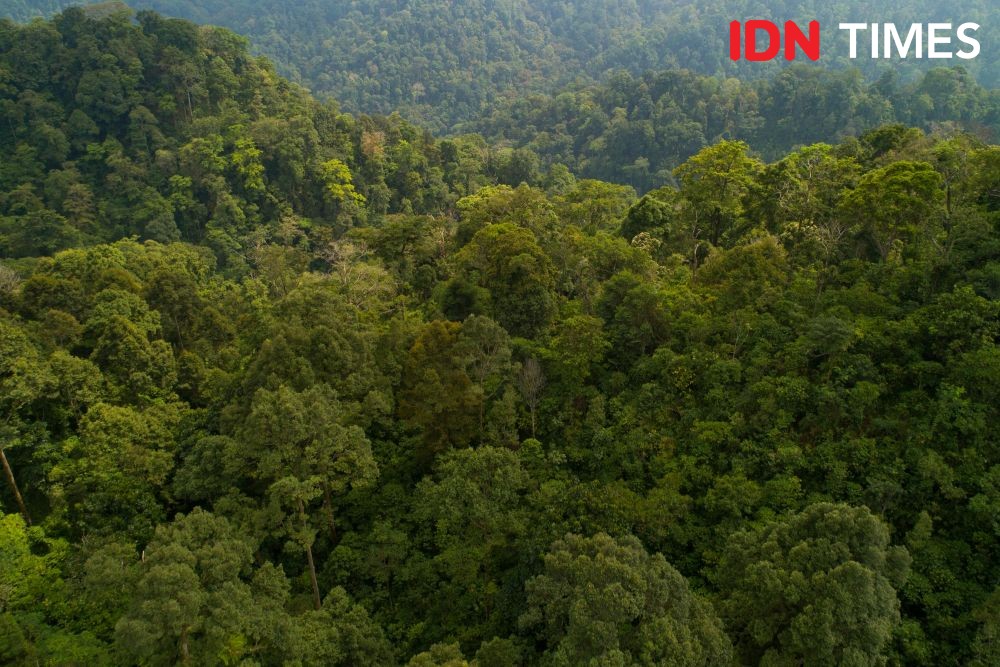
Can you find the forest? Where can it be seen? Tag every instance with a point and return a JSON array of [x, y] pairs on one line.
[[286, 385], [440, 63], [637, 130]]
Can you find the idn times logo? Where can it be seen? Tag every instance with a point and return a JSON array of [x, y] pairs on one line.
[[759, 40]]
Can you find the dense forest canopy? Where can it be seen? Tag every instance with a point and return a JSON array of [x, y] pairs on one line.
[[440, 62], [636, 130], [281, 385]]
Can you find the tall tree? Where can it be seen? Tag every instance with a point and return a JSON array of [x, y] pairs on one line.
[[300, 445], [607, 601], [817, 587], [713, 185], [196, 602], [507, 261]]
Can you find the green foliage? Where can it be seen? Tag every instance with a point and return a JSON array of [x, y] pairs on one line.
[[817, 587], [339, 633], [158, 129], [191, 603], [602, 601], [896, 203], [437, 395], [636, 128], [507, 262], [439, 655], [35, 602], [475, 504], [471, 417], [440, 64]]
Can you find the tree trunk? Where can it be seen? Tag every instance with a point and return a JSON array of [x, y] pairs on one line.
[[317, 603], [9, 474], [482, 417], [185, 649], [328, 506]]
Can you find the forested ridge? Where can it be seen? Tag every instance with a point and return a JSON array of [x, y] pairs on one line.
[[281, 385], [636, 130], [440, 62]]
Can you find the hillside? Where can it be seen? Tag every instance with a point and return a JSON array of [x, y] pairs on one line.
[[439, 62], [170, 131], [636, 130]]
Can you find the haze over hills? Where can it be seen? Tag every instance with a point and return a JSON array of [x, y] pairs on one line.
[[635, 130], [497, 71], [440, 62]]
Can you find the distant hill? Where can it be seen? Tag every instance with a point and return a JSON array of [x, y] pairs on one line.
[[439, 62], [636, 129]]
